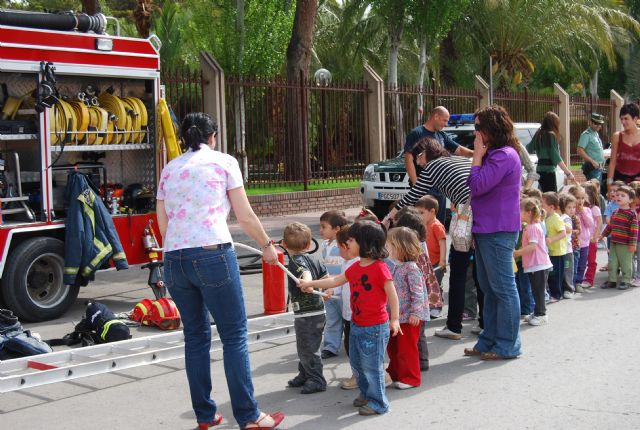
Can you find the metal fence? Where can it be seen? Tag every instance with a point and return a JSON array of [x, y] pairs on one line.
[[183, 91], [526, 106], [285, 132], [580, 109], [407, 106]]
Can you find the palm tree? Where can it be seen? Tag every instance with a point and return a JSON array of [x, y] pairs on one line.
[[562, 34]]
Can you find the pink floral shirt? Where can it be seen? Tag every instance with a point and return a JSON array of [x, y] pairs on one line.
[[194, 189]]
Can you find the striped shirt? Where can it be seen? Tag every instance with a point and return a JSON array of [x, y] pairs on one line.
[[623, 227], [446, 174]]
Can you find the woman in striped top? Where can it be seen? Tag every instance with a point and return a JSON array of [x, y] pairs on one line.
[[448, 174]]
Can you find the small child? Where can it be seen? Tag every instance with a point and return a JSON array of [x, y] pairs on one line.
[[556, 243], [404, 364], [587, 226], [308, 309], [427, 207], [568, 209], [432, 291], [610, 208], [623, 229], [523, 283], [372, 289], [593, 200], [535, 260], [342, 237], [330, 223]]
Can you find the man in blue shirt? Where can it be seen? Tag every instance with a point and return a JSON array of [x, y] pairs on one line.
[[437, 121]]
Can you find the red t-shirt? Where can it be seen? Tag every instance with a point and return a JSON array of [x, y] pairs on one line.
[[368, 298], [435, 232]]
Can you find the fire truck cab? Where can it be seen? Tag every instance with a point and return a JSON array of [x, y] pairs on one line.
[[73, 99]]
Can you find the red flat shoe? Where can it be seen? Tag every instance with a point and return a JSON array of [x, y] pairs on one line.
[[277, 419], [217, 419]]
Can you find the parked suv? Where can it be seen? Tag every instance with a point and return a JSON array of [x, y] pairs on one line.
[[386, 181]]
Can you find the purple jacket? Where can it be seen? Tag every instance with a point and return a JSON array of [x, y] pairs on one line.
[[495, 192]]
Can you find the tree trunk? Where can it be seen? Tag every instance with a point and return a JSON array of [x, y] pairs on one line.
[[395, 36], [91, 7], [422, 66], [298, 61], [239, 114]]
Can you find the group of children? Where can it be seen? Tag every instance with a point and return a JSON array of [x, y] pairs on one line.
[[378, 288], [557, 249]]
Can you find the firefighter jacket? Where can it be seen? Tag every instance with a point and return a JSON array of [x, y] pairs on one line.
[[90, 236]]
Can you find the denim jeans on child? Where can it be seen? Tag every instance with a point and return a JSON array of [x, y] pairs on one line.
[[501, 316], [567, 281], [333, 329], [581, 265], [203, 281], [524, 291], [367, 347]]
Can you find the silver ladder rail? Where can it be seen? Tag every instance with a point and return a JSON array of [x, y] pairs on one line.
[[27, 372]]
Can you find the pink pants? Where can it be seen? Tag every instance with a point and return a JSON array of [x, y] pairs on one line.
[[592, 265]]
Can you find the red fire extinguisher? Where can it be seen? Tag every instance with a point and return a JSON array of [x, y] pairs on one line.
[[273, 287]]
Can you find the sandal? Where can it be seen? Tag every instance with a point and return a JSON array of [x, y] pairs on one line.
[[472, 352], [492, 356], [217, 419], [277, 418]]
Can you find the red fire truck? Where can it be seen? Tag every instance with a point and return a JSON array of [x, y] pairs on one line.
[[73, 98]]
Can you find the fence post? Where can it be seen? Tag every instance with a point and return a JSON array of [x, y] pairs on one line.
[[483, 89], [434, 96], [213, 96], [375, 133], [617, 101], [565, 125]]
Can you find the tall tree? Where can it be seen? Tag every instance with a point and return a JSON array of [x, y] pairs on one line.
[[301, 42]]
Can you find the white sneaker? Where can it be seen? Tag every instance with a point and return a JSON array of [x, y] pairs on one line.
[[402, 386], [448, 334], [387, 379], [567, 295], [538, 320], [349, 384], [527, 318], [476, 329]]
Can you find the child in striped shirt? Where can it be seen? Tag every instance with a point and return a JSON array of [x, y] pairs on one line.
[[623, 228]]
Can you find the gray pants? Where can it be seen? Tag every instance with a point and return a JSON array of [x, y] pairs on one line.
[[470, 293], [423, 351], [567, 280], [308, 340], [538, 287]]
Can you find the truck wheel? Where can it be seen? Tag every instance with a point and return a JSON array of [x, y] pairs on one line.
[[32, 284]]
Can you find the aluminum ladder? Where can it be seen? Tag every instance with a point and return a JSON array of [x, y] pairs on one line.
[[27, 372]]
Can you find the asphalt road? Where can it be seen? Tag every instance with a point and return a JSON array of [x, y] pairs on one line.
[[577, 372]]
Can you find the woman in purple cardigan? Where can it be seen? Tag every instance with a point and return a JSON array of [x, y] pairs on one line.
[[495, 202]]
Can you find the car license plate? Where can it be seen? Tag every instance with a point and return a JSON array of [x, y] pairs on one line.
[[389, 196]]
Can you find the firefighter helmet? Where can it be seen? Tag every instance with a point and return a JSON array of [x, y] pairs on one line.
[[141, 311], [164, 314]]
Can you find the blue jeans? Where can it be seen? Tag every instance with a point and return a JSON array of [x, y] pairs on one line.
[[367, 346], [333, 328], [581, 264], [494, 259], [200, 281], [524, 291]]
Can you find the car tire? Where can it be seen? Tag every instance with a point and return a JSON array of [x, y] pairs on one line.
[[32, 284]]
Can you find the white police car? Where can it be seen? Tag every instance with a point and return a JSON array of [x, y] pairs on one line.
[[386, 181]]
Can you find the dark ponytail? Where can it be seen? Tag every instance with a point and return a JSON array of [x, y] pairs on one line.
[[196, 129]]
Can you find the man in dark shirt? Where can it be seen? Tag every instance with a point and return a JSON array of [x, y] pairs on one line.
[[437, 121]]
